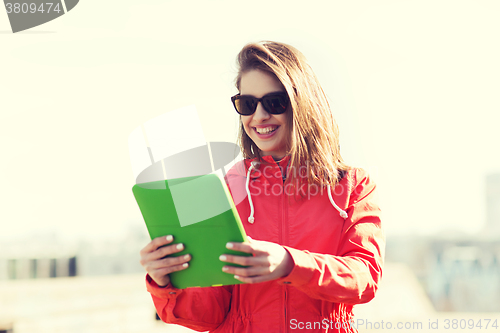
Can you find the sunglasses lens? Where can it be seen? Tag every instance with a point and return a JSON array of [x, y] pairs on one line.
[[275, 104], [245, 105]]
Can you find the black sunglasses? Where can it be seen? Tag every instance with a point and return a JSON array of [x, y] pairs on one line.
[[273, 103]]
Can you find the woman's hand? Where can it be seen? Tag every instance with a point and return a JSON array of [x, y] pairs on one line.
[[270, 261], [155, 260]]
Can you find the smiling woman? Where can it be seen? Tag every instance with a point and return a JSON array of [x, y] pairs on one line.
[[316, 251], [267, 130]]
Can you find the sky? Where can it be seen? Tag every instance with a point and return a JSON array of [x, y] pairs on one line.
[[413, 85]]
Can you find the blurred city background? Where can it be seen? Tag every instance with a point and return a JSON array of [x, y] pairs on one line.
[[414, 88]]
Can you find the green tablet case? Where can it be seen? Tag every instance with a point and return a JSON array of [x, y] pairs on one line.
[[199, 212]]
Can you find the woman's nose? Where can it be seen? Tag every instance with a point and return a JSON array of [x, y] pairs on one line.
[[260, 113]]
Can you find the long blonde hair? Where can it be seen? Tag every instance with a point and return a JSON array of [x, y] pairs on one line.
[[314, 138]]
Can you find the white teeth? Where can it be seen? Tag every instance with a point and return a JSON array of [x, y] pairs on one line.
[[265, 130]]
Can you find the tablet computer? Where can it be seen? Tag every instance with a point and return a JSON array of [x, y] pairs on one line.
[[199, 212]]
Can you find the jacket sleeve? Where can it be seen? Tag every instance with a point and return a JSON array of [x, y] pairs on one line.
[[351, 276], [200, 309]]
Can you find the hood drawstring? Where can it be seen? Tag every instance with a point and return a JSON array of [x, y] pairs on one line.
[[251, 219], [342, 212], [253, 165]]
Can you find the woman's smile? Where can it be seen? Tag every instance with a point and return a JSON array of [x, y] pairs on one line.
[[266, 130]]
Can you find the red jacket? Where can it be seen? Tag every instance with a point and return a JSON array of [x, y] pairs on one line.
[[337, 261]]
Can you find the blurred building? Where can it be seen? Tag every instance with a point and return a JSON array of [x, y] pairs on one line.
[[47, 256], [464, 275], [458, 273], [34, 259]]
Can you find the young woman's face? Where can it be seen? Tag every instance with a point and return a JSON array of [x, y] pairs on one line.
[[267, 131]]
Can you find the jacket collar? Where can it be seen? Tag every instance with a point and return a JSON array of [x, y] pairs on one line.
[[269, 160], [282, 163], [266, 161]]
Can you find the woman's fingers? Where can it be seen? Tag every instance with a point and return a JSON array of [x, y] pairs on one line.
[[157, 260], [241, 247], [242, 260], [156, 243], [167, 250], [170, 269], [269, 261], [258, 265], [161, 275], [170, 261], [247, 271], [154, 250], [254, 247]]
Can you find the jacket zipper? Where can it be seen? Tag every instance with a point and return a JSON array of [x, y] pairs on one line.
[[284, 239], [286, 326]]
